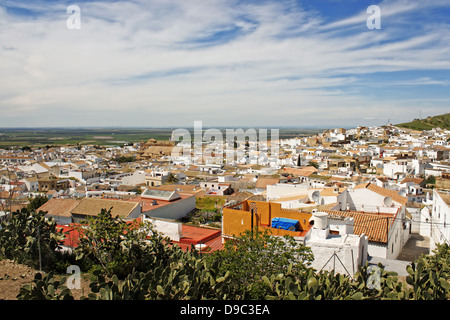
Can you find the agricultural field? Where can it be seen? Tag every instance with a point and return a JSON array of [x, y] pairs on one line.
[[38, 137], [41, 137]]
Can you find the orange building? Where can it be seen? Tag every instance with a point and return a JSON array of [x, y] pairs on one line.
[[250, 214]]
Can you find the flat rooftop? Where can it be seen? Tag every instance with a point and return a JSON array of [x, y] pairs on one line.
[[192, 235]]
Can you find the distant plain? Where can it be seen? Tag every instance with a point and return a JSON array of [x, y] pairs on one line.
[[43, 137]]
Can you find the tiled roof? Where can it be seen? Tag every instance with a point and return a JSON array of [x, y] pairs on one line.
[[92, 207], [414, 180], [388, 193], [329, 192], [445, 197], [264, 182], [374, 226], [72, 235], [305, 172], [59, 207], [185, 188], [148, 204], [384, 192]]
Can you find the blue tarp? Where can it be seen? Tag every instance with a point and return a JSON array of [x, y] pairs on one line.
[[286, 224]]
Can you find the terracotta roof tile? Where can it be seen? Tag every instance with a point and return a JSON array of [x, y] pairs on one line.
[[264, 182], [374, 226], [387, 193], [59, 207], [92, 207]]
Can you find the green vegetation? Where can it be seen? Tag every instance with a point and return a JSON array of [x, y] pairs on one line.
[[47, 137], [115, 247], [124, 159], [442, 121], [256, 254], [253, 266], [431, 180], [209, 203], [28, 238], [36, 202]]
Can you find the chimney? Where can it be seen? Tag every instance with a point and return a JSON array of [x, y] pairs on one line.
[[320, 227]]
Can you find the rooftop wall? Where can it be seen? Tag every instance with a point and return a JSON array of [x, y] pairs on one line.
[[238, 218]]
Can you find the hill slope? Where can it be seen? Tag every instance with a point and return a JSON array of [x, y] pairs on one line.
[[442, 121]]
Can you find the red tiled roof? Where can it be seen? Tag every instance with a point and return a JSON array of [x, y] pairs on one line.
[[374, 226], [191, 236], [72, 235]]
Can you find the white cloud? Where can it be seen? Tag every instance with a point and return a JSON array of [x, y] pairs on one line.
[[154, 62]]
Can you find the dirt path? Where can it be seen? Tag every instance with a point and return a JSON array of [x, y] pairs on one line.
[[13, 276]]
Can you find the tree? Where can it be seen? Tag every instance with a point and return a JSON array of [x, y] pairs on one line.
[[431, 180], [117, 247], [29, 238], [313, 164], [36, 202], [255, 254], [171, 178]]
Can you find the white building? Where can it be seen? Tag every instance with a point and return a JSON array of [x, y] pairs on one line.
[[165, 204], [439, 219], [138, 177], [368, 197], [334, 245]]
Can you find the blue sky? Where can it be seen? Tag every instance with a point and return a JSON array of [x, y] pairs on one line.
[[168, 63]]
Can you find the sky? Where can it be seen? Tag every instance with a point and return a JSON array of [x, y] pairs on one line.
[[227, 63]]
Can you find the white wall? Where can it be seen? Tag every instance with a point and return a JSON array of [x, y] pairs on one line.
[[440, 217], [176, 210], [425, 225], [138, 177], [167, 228], [364, 200], [376, 250], [351, 252], [389, 169], [285, 190], [61, 220]]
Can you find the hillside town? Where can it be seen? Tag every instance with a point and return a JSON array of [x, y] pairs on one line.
[[357, 194]]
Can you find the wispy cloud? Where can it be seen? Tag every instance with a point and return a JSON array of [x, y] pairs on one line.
[[222, 61]]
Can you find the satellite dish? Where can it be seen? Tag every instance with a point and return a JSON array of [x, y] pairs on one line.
[[387, 201], [316, 196]]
